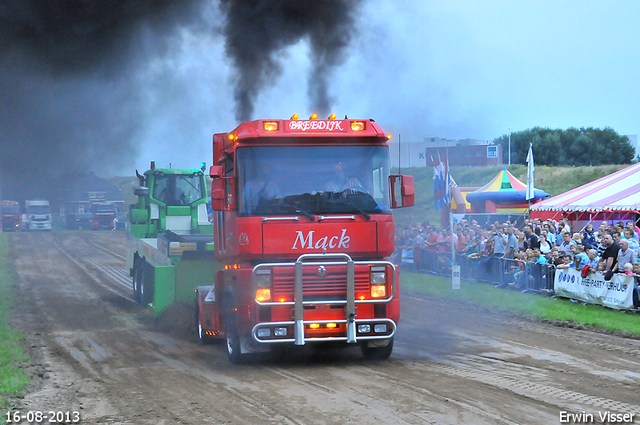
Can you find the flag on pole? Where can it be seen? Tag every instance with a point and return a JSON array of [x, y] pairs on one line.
[[439, 187], [530, 168], [447, 180]]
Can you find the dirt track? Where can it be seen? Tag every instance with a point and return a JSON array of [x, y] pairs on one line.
[[98, 353]]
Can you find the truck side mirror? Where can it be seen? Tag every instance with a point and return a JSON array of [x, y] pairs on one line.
[[141, 191], [215, 171], [217, 188], [402, 191]]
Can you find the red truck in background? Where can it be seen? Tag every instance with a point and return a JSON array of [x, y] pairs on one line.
[[11, 216], [302, 225], [103, 215]]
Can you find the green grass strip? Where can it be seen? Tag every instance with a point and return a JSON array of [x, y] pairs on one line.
[[13, 379], [529, 304]]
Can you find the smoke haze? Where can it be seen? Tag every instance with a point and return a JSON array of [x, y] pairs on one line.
[[82, 80], [257, 31], [69, 98]]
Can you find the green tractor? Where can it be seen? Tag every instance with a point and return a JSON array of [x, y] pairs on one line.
[[170, 237]]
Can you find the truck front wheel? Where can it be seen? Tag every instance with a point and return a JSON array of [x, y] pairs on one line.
[[376, 353], [233, 345], [201, 337]]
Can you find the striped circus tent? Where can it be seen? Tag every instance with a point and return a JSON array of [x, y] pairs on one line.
[[617, 192], [504, 188]]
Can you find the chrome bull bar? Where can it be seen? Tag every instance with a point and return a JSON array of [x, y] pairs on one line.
[[299, 302]]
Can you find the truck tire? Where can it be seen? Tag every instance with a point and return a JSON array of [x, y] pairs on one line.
[[377, 353], [201, 337], [146, 284], [233, 345]]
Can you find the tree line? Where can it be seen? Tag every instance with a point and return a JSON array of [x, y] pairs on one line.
[[573, 146]]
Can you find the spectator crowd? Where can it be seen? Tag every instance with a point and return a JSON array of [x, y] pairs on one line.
[[522, 257]]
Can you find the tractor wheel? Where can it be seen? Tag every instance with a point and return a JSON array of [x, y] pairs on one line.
[[146, 284], [137, 276]]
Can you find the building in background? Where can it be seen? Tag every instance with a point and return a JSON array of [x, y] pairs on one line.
[[470, 152], [77, 192]]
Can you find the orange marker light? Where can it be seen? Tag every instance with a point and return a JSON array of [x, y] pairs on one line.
[[294, 117], [314, 117], [378, 291], [270, 125], [332, 117], [263, 294], [357, 125]]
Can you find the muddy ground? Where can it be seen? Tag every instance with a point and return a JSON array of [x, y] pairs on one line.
[[98, 353]]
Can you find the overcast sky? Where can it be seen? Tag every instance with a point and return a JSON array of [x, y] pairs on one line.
[[450, 68], [453, 69]]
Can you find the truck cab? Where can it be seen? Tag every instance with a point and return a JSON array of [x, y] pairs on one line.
[[38, 214], [11, 216], [303, 225], [103, 215]]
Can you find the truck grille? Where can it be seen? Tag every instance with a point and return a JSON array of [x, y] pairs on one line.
[[332, 286]]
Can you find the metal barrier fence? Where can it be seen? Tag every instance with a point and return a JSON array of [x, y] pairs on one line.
[[517, 274]]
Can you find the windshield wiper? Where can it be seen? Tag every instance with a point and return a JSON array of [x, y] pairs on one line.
[[301, 212], [364, 214]]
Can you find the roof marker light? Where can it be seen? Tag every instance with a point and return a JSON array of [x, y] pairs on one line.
[[270, 125], [332, 117], [313, 117], [389, 136], [357, 125], [230, 136], [294, 117]]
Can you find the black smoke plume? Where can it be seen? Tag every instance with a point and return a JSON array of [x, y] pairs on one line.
[[257, 31], [69, 103], [69, 89]]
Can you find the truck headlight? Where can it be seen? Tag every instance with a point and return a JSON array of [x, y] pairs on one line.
[[263, 278], [264, 332], [380, 328], [280, 332], [364, 329], [378, 278]]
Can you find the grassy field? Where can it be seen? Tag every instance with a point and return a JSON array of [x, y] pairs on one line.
[[526, 304], [13, 379]]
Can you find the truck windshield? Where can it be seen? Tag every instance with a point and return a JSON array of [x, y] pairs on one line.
[[178, 189], [313, 179], [38, 209], [103, 209], [10, 209]]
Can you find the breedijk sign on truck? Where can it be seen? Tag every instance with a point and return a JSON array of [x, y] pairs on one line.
[[316, 125], [615, 293]]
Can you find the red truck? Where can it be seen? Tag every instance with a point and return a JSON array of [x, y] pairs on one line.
[[302, 225], [103, 215], [11, 216]]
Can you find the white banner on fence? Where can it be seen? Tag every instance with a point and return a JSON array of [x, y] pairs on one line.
[[615, 293]]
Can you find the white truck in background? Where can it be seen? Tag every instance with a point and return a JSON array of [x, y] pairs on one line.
[[38, 212]]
